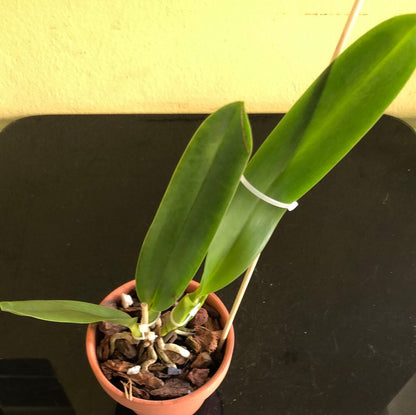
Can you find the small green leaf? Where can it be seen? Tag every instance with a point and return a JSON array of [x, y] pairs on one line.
[[67, 311], [195, 201], [320, 129]]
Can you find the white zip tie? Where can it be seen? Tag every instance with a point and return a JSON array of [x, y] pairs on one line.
[[145, 329], [265, 198], [191, 314]]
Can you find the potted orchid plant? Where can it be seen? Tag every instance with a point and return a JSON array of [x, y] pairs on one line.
[[221, 207]]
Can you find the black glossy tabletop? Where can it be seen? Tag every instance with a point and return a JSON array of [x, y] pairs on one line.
[[327, 326]]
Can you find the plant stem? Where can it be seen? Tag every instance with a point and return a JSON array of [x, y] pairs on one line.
[[145, 314]]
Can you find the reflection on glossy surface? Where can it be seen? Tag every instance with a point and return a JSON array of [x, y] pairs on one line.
[[327, 326]]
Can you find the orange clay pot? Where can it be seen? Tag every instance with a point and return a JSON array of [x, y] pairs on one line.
[[185, 405]]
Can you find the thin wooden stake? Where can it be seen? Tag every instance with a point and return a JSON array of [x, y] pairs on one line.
[[341, 43], [348, 27], [237, 301]]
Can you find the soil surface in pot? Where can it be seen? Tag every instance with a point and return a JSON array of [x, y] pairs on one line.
[[164, 374]]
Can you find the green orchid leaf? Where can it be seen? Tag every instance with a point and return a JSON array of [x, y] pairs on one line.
[[67, 311], [327, 121], [195, 201]]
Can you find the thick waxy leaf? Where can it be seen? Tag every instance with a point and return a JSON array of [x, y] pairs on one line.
[[327, 121], [67, 311], [195, 201]]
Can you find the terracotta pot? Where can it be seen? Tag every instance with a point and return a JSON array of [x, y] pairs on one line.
[[185, 405]]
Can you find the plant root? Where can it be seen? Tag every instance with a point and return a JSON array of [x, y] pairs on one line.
[[160, 350], [152, 358], [118, 336], [128, 389]]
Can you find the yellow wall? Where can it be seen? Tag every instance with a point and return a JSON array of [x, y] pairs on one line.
[[143, 56]]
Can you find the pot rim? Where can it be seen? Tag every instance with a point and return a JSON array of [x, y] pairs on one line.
[[105, 383]]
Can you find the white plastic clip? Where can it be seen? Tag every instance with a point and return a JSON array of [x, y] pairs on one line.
[[145, 330], [265, 198]]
